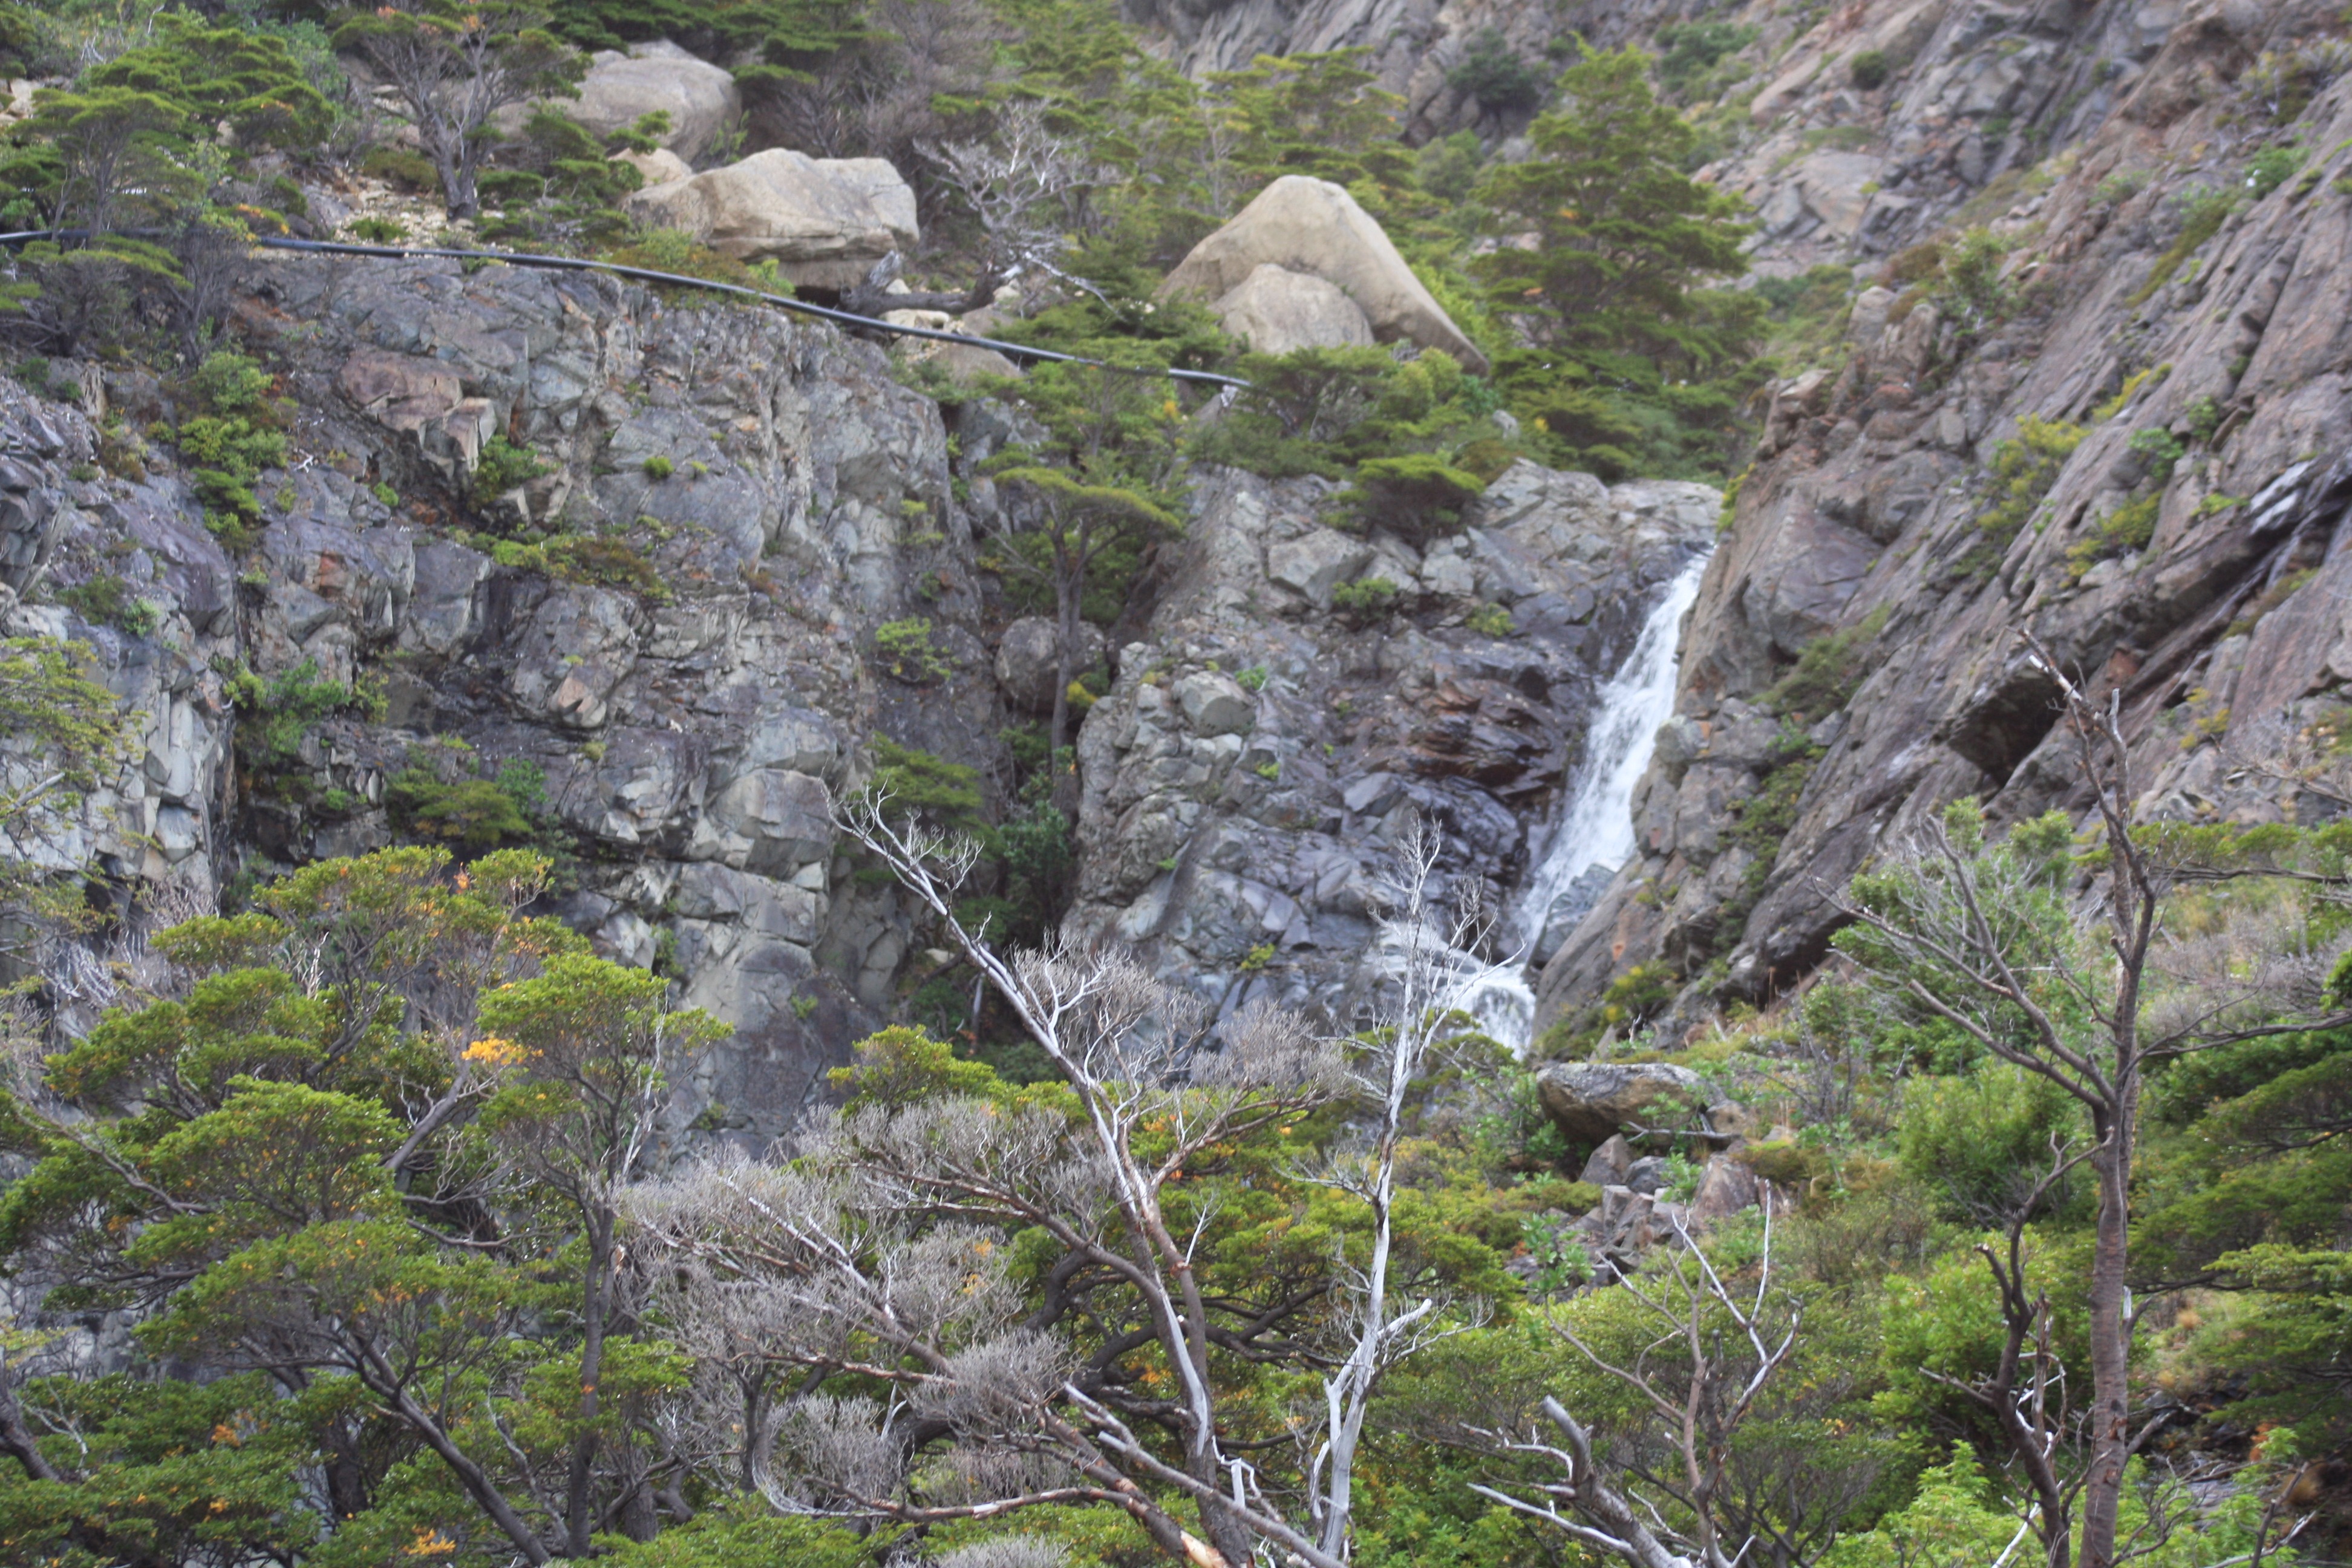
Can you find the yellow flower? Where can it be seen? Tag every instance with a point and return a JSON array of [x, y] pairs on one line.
[[431, 1542], [495, 1051]]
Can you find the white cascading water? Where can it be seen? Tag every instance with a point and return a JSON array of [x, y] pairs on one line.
[[1597, 829]]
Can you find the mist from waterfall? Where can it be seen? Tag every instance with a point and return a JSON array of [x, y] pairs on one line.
[[1596, 830]]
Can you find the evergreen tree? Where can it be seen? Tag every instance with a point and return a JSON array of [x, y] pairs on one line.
[[1637, 363]]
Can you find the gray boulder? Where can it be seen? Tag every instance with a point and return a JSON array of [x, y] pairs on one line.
[[1028, 660], [825, 220], [1277, 310], [700, 98], [1594, 1101], [1214, 704], [1306, 224]]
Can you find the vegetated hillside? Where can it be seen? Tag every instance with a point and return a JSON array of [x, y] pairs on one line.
[[641, 928]]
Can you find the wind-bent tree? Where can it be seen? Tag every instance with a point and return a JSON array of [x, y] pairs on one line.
[[1981, 934], [1622, 290], [454, 66], [311, 1170]]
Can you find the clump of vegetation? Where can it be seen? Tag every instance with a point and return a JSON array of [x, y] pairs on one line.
[[2024, 466], [107, 600], [441, 794], [1827, 671], [1869, 70], [276, 715], [1490, 621], [1691, 53], [1498, 75], [2272, 167], [904, 650], [606, 561], [235, 436], [2202, 213], [1418, 497], [1364, 600], [502, 468]]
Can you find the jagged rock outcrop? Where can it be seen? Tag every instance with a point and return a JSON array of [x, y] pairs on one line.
[[690, 727], [2204, 591], [1248, 777]]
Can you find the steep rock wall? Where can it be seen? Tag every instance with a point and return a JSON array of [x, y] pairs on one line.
[[1248, 777], [2207, 600], [691, 741]]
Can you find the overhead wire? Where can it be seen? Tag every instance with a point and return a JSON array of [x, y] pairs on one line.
[[655, 275]]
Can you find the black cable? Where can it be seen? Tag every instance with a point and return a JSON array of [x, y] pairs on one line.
[[580, 264]]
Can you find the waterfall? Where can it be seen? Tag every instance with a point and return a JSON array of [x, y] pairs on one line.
[[1596, 831], [1595, 835]]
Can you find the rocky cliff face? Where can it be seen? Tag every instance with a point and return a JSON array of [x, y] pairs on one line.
[[692, 709], [690, 740], [1247, 778], [2138, 458]]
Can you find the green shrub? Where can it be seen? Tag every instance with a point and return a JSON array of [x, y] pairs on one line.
[[917, 782], [275, 715], [1419, 496], [1490, 621], [608, 562], [2121, 186], [2127, 527], [1252, 678], [2024, 468], [504, 467], [904, 650], [228, 383], [1366, 599], [2270, 168], [1498, 76], [2161, 448], [1690, 51], [107, 600], [413, 171], [438, 795], [1869, 70], [2202, 211], [379, 230], [1827, 671], [659, 467]]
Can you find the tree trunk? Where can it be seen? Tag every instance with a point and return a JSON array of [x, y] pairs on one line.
[[2110, 1343], [1069, 592], [579, 1519]]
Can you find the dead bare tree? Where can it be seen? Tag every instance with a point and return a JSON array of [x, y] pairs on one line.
[[871, 1255], [1426, 952], [1713, 1352], [1026, 185]]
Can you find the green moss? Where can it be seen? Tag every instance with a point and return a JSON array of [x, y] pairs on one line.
[[2205, 211], [1827, 671]]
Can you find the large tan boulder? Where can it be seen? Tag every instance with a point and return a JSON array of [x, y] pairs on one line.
[[825, 220], [700, 98], [1306, 224], [1277, 310]]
